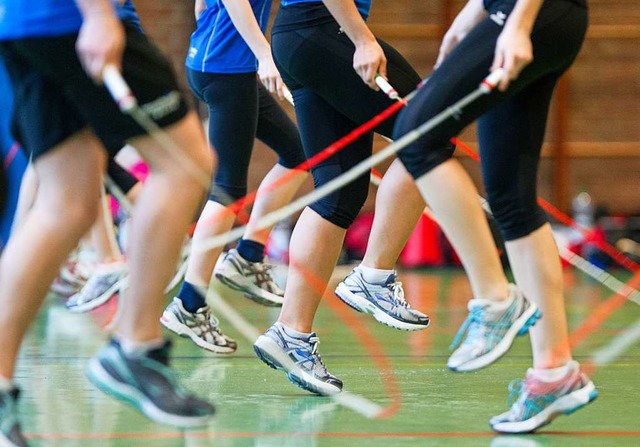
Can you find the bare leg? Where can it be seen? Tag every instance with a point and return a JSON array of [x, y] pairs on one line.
[[268, 200], [103, 236], [453, 197], [162, 214], [215, 219], [536, 266], [315, 247], [65, 207], [399, 205]]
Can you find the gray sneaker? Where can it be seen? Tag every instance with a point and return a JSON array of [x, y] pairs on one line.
[[298, 358], [10, 431], [254, 279], [535, 403], [489, 332], [147, 383], [100, 287], [384, 301], [202, 327]]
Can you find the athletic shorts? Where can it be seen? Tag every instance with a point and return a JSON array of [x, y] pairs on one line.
[[55, 98]]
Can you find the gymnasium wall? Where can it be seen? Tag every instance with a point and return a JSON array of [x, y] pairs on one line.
[[593, 140]]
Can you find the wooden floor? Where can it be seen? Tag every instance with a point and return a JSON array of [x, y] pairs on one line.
[[399, 390]]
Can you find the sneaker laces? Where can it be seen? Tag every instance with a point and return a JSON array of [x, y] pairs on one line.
[[522, 402], [314, 341], [472, 324]]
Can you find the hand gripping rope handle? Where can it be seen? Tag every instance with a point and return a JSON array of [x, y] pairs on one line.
[[487, 85]]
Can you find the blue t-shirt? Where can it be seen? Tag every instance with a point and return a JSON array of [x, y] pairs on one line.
[[45, 18], [216, 45]]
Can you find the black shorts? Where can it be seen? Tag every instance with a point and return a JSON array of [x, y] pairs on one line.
[[55, 98]]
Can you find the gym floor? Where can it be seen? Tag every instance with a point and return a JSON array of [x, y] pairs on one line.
[[399, 390]]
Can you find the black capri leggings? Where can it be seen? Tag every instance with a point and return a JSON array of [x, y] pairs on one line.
[[120, 176], [330, 99], [512, 124], [240, 110]]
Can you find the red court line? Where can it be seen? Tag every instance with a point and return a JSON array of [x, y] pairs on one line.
[[426, 435]]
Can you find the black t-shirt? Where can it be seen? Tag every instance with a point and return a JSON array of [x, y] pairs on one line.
[[509, 4]]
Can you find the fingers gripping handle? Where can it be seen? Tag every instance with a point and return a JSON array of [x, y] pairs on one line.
[[387, 88], [118, 88], [489, 83]]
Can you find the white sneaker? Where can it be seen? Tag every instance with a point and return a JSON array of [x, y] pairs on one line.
[[490, 332], [100, 287], [254, 279], [202, 327]]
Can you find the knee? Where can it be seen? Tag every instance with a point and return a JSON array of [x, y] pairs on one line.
[[516, 218], [425, 153], [342, 207], [226, 194]]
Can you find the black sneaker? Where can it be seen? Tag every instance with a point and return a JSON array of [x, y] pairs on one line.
[[10, 431], [148, 384]]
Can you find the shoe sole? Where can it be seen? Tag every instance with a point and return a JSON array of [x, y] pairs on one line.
[[270, 353], [519, 327], [251, 291], [100, 300], [567, 405], [127, 393], [362, 305], [169, 321]]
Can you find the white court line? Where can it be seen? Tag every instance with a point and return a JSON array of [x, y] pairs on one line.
[[617, 346], [355, 402]]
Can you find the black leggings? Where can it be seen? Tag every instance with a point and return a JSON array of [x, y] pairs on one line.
[[330, 99], [120, 176], [240, 110], [512, 124]]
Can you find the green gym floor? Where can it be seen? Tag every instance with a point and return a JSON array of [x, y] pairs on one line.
[[400, 377]]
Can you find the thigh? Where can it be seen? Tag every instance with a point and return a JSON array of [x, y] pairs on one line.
[[321, 59], [146, 70], [278, 131], [232, 100]]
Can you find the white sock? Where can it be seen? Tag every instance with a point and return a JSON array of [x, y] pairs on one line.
[[292, 332], [374, 276], [554, 374], [5, 384], [499, 305], [136, 348]]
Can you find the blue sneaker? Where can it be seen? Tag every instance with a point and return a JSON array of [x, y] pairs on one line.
[[535, 403], [147, 383], [298, 358], [10, 431], [385, 301], [490, 331]]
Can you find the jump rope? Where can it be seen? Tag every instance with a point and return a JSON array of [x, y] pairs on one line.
[[128, 104]]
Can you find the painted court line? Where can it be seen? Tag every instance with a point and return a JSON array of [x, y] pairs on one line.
[[617, 346], [425, 435]]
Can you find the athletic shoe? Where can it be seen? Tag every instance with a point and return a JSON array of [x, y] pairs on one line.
[[490, 331], [535, 403], [72, 277], [385, 301], [10, 431], [202, 327], [146, 382], [99, 289], [254, 279], [298, 358]]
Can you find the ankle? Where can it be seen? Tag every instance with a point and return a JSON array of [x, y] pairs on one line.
[[374, 275]]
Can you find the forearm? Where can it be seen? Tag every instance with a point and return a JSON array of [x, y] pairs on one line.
[[524, 15], [200, 6], [95, 8], [245, 22], [350, 20], [472, 13]]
